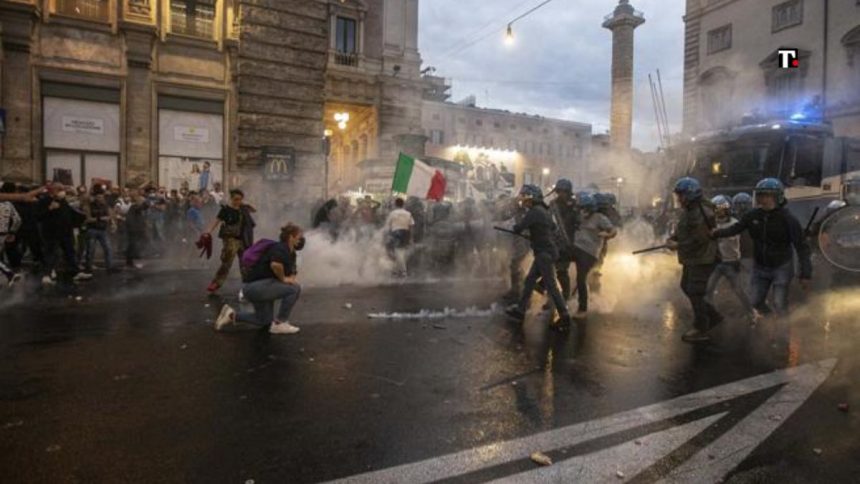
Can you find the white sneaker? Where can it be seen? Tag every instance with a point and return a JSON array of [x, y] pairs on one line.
[[241, 296], [225, 317], [16, 278], [283, 328], [83, 276], [48, 281]]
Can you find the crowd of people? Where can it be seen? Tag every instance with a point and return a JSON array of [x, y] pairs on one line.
[[58, 230], [55, 231]]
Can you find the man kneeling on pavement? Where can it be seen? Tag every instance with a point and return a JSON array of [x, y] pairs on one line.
[[274, 277]]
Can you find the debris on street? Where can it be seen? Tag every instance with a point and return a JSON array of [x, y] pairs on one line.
[[541, 459]]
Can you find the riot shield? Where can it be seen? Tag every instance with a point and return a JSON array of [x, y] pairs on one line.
[[839, 238]]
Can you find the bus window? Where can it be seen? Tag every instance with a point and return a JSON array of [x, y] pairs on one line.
[[805, 158]]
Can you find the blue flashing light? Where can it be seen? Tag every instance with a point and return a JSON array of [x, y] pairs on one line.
[[798, 117]]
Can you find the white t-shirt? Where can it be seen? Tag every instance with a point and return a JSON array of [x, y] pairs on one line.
[[399, 219], [730, 247]]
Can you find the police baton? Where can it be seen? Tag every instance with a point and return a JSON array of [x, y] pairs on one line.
[[509, 231], [650, 249]]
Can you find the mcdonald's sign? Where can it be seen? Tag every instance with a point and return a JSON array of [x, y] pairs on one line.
[[279, 163]]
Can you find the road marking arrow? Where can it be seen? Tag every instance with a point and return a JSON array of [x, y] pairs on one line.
[[669, 428]]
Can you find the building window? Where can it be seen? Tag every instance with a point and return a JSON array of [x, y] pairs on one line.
[[437, 136], [89, 9], [345, 35], [785, 89], [461, 120], [720, 39], [193, 17], [787, 14], [497, 125], [478, 122], [513, 127], [529, 129], [435, 116]]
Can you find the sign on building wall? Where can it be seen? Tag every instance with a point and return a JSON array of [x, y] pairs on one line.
[[279, 163], [73, 124], [191, 134], [77, 124]]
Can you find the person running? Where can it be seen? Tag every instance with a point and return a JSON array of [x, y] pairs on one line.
[[236, 233], [274, 277], [777, 236], [541, 228], [58, 221], [729, 267], [698, 254], [595, 229], [399, 226]]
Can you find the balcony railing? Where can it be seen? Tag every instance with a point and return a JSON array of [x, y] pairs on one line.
[[90, 9], [636, 13], [349, 59]]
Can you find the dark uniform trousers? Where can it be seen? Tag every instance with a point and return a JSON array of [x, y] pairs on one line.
[[694, 283]]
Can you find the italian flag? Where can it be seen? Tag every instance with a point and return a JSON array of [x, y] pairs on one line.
[[416, 178]]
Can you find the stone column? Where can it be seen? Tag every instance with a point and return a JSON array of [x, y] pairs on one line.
[[140, 155], [622, 23], [19, 161]]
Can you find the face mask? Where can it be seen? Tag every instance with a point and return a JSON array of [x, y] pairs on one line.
[[300, 244]]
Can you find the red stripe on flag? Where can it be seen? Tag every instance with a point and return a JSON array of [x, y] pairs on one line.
[[437, 187]]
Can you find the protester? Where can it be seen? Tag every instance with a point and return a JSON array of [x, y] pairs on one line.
[[135, 229], [566, 216], [236, 233], [729, 267], [10, 223], [399, 227], [273, 277], [99, 219], [58, 221], [698, 254]]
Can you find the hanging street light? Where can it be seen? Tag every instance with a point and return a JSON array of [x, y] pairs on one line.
[[509, 36]]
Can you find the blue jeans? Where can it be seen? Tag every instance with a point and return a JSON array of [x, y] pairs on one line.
[[263, 294], [99, 236], [731, 271], [779, 278]]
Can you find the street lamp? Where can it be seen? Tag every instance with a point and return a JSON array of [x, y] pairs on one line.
[[342, 119], [509, 36], [543, 174], [326, 149], [620, 182]]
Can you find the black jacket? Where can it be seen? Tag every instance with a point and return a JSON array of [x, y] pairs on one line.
[[541, 228], [774, 235], [59, 222]]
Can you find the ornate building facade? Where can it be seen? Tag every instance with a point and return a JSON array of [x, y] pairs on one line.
[[130, 91]]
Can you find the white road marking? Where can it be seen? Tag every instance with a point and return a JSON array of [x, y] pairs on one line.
[[629, 458], [729, 450]]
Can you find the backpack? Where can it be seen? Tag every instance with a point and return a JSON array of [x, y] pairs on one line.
[[252, 255]]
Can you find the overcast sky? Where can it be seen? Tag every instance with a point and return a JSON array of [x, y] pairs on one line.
[[559, 65]]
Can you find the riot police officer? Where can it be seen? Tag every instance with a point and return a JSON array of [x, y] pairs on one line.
[[697, 253], [566, 216], [777, 236], [541, 230]]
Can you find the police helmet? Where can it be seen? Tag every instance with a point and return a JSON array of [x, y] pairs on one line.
[[611, 198], [771, 186], [531, 192], [564, 185], [689, 188], [722, 202], [601, 200], [741, 203], [587, 201]]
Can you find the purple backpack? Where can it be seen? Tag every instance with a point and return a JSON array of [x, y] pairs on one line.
[[253, 254]]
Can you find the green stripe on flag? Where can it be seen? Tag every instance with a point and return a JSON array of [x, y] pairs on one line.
[[402, 173]]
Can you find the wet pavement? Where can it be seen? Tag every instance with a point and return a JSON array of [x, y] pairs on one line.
[[131, 384]]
